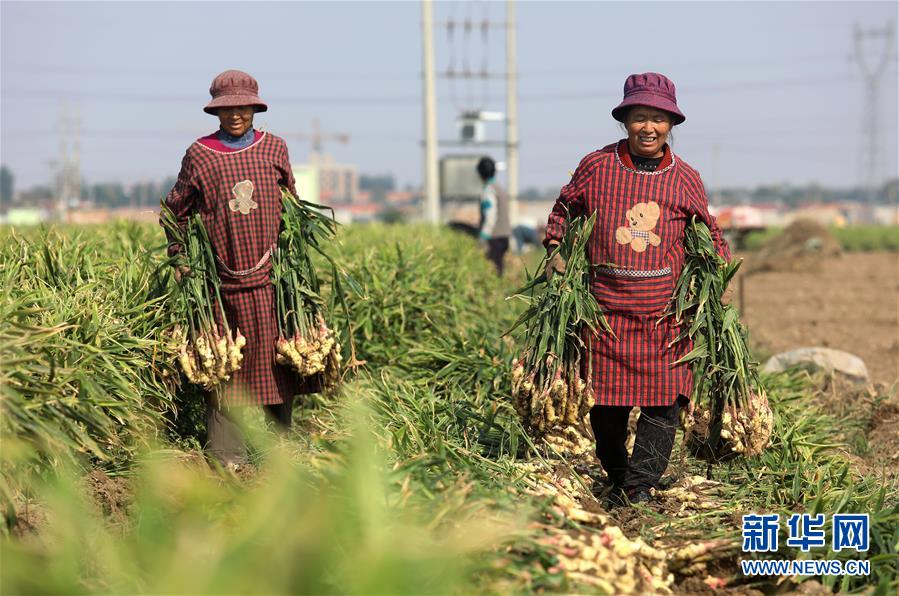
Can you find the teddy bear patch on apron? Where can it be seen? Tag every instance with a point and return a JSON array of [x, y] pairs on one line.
[[243, 197], [642, 219], [638, 234]]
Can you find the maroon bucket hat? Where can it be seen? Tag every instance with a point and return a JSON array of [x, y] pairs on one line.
[[649, 89], [234, 88]]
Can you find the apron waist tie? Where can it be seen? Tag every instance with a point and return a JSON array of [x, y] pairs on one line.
[[254, 277]]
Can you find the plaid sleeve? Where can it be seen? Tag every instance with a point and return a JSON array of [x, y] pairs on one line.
[[572, 199], [181, 199], [699, 206], [285, 171]]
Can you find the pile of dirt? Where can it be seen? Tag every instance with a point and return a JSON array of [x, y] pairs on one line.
[[870, 416], [30, 517], [884, 437], [802, 246], [112, 496]]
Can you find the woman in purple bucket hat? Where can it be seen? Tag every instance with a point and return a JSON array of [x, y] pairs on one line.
[[232, 178], [644, 196]]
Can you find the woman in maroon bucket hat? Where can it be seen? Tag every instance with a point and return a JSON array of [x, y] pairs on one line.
[[643, 196], [232, 178]]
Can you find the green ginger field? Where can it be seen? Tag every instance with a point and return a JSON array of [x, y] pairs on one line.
[[414, 477]]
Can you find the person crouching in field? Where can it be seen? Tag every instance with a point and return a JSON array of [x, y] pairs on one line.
[[644, 197], [232, 178]]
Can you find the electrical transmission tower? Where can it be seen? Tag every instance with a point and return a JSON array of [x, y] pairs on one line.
[[68, 173], [872, 154]]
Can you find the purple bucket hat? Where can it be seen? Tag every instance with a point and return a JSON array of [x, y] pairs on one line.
[[649, 89], [234, 88]]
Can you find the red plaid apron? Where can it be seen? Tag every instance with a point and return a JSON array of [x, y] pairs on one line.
[[238, 197], [637, 243]]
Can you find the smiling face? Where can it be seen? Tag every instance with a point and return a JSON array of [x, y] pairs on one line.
[[647, 130], [236, 121]]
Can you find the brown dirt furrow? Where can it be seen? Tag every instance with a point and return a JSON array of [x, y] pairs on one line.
[[849, 303]]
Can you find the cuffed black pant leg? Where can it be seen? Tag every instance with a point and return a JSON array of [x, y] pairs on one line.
[[656, 429], [610, 429]]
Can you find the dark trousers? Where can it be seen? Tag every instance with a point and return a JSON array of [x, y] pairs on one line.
[[225, 440], [652, 446], [496, 249]]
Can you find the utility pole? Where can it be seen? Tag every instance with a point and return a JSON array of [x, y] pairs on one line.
[[432, 198], [871, 169], [473, 116], [512, 111]]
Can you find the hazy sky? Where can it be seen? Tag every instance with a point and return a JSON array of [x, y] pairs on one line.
[[770, 85]]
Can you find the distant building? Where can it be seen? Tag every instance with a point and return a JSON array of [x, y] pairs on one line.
[[886, 215], [401, 197], [337, 183], [23, 216], [357, 212], [306, 177], [325, 181]]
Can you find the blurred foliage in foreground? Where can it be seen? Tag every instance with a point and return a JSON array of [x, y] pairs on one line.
[[342, 525], [414, 478]]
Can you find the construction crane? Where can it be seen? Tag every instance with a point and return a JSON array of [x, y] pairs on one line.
[[318, 137]]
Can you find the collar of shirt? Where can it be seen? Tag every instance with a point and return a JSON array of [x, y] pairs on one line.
[[240, 142], [645, 164], [624, 157]]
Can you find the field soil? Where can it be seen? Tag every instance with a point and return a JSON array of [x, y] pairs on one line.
[[847, 302]]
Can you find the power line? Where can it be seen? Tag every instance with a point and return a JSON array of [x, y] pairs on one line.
[[694, 65], [693, 90], [144, 72], [403, 99], [119, 72], [174, 98], [463, 50]]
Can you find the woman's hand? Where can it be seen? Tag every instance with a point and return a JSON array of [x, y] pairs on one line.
[[727, 296], [555, 264], [181, 271]]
